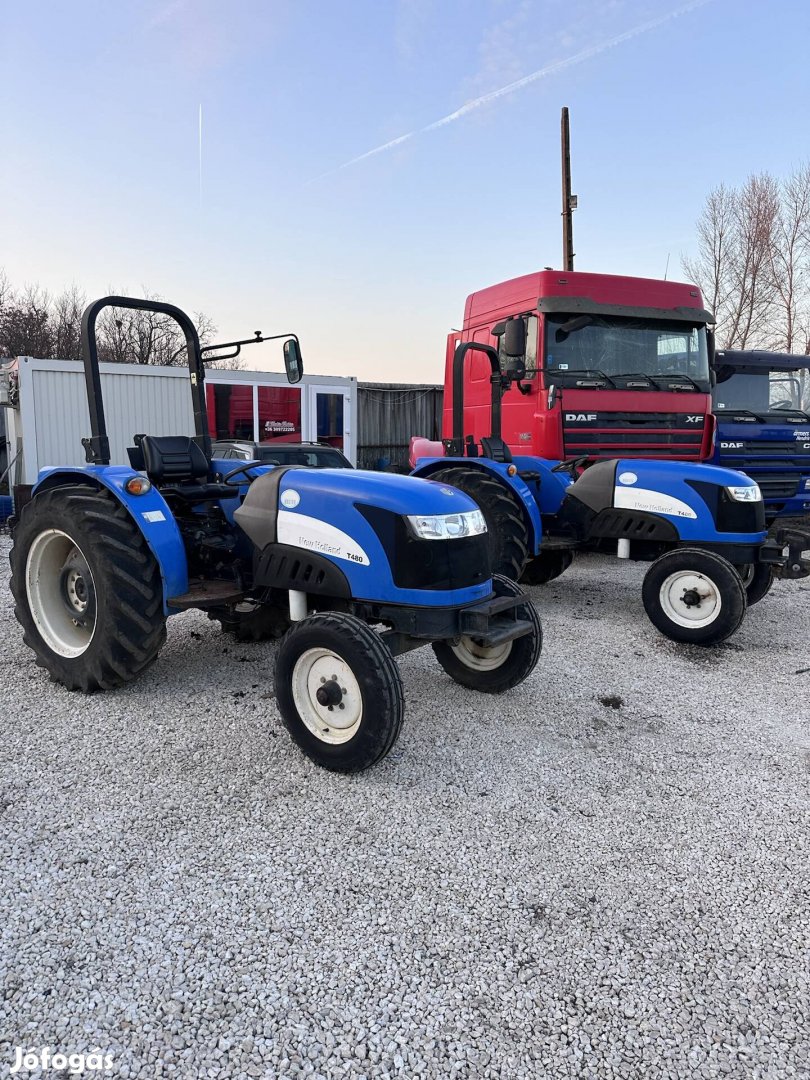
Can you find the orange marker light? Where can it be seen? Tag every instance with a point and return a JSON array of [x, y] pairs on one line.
[[511, 470], [138, 485]]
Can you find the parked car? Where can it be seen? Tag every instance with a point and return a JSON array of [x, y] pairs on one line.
[[314, 455]]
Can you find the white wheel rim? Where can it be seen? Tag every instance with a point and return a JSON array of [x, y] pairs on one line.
[[690, 599], [58, 606], [337, 723], [478, 657]]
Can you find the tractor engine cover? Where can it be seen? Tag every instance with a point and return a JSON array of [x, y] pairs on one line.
[[666, 501], [362, 523]]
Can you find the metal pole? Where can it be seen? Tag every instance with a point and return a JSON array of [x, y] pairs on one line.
[[569, 201]]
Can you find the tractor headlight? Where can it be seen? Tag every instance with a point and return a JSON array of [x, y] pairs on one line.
[[747, 493], [447, 526]]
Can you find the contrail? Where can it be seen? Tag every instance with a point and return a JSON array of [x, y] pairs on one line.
[[513, 87], [199, 144]]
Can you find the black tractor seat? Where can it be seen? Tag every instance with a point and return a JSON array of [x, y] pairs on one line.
[[177, 466]]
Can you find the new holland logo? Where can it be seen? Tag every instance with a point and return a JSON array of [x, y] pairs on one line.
[[579, 417]]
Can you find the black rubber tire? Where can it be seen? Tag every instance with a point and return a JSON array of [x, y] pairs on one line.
[[263, 623], [757, 579], [517, 665], [547, 566], [376, 673], [130, 626], [507, 533], [722, 578]]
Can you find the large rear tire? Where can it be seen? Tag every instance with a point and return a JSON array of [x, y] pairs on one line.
[[495, 669], [507, 534], [547, 566], [339, 691], [87, 589], [693, 596]]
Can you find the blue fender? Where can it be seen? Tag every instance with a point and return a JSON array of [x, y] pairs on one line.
[[150, 512], [529, 495]]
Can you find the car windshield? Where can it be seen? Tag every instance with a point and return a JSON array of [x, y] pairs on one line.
[[764, 391], [644, 353], [314, 457]]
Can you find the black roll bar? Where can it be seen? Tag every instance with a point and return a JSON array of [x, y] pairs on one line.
[[97, 447], [456, 444]]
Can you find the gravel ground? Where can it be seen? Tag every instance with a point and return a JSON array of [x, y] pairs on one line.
[[537, 885]]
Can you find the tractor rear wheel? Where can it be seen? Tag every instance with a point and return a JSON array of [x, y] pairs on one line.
[[757, 579], [507, 534], [339, 691], [694, 596], [87, 589], [547, 566], [494, 669]]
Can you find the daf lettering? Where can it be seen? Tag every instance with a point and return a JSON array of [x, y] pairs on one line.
[[731, 445], [580, 417]]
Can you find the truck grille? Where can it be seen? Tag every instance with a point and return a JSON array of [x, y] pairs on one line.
[[775, 485], [616, 434]]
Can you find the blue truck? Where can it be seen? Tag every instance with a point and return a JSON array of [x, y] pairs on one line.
[[761, 402]]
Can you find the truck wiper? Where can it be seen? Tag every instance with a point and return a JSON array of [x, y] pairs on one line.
[[685, 378], [639, 375], [776, 411], [560, 372]]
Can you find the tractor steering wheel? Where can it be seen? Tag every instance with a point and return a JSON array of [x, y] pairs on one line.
[[226, 479], [570, 465]]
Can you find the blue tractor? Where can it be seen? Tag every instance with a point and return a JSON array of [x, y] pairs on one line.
[[701, 527], [353, 568], [763, 429]]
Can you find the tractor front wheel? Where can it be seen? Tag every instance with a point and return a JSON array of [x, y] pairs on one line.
[[507, 534], [492, 669], [547, 566], [339, 691], [693, 596], [758, 579], [87, 589]]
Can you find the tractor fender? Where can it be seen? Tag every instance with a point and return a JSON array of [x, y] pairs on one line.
[[498, 469], [150, 512]]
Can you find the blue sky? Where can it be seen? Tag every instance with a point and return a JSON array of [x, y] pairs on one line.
[[371, 263]]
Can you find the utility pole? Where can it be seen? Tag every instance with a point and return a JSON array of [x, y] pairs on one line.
[[569, 201]]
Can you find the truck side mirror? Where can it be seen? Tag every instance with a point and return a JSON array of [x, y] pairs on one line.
[[513, 341], [293, 361]]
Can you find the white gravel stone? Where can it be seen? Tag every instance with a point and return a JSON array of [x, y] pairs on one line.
[[533, 885]]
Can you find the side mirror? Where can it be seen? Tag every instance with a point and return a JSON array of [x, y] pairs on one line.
[[293, 362], [513, 340]]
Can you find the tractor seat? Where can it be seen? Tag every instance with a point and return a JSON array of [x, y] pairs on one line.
[[176, 465]]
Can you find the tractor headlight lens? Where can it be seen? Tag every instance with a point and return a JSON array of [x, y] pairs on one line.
[[447, 526], [748, 493]]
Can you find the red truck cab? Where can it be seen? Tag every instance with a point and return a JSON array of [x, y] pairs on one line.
[[616, 367]]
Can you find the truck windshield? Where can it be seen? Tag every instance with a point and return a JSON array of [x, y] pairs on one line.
[[638, 354], [764, 392]]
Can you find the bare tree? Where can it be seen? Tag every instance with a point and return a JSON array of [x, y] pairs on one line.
[[66, 321], [25, 326], [753, 262]]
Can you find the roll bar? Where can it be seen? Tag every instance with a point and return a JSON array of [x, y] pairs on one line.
[[456, 444], [97, 447]]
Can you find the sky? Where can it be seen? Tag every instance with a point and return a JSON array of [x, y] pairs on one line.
[[365, 165]]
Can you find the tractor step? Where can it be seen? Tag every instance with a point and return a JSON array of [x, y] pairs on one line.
[[205, 594], [502, 629]]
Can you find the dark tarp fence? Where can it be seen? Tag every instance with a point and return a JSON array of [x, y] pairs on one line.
[[388, 414]]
